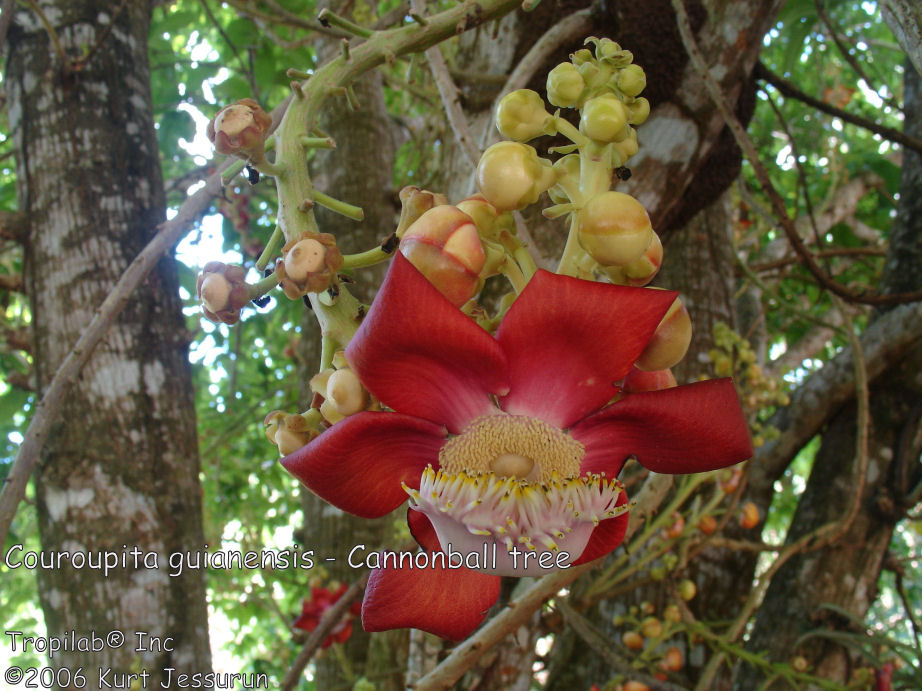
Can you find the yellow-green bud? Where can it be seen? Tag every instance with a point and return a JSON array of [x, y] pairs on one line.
[[581, 56], [565, 85], [638, 111], [511, 176], [521, 116], [288, 432], [614, 229], [604, 119], [631, 80], [670, 342], [567, 168]]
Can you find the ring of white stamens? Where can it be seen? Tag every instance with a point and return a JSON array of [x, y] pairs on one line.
[[513, 446], [515, 512]]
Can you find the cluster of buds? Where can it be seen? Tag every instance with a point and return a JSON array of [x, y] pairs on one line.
[[648, 635], [289, 432], [222, 291], [733, 356], [341, 391], [309, 264], [240, 129]]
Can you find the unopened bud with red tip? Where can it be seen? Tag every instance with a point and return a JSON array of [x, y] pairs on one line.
[[444, 246], [749, 515], [670, 341], [240, 129], [511, 176], [642, 270], [615, 229], [288, 432], [309, 264], [222, 291]]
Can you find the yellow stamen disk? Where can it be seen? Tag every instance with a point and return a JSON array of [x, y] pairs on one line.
[[515, 511], [514, 446]]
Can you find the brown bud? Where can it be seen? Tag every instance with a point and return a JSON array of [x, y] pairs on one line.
[[288, 432], [222, 291], [309, 264], [240, 129]]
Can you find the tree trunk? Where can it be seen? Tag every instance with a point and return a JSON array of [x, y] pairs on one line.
[[120, 469], [845, 573]]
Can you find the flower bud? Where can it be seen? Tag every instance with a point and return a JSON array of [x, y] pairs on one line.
[[615, 229], [581, 56], [491, 224], [222, 291], [511, 176], [627, 147], [288, 432], [687, 590], [444, 246], [637, 380], [671, 614], [632, 685], [707, 524], [309, 264], [414, 202], [632, 640], [346, 393], [642, 270], [631, 80], [565, 85], [670, 341], [521, 116], [604, 118], [651, 627], [673, 659], [240, 129], [749, 515], [638, 111]]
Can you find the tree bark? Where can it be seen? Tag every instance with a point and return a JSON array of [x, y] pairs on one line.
[[845, 573], [120, 470]]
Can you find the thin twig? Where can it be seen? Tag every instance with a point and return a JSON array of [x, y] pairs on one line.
[[451, 100], [328, 622], [788, 89], [749, 150]]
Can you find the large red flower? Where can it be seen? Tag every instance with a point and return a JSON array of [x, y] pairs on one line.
[[509, 442]]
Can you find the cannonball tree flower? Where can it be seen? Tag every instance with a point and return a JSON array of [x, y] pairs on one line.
[[506, 441]]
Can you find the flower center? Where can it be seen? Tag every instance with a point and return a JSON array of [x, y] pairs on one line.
[[513, 446]]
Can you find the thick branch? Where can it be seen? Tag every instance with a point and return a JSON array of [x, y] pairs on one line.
[[813, 404]]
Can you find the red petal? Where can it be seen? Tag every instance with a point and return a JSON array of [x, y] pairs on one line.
[[569, 340], [607, 536], [686, 429], [422, 530], [450, 603], [360, 462], [421, 355]]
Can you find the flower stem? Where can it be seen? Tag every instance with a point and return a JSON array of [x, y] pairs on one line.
[[571, 250], [275, 241], [262, 286], [370, 257], [340, 207], [327, 17], [513, 273], [317, 142]]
